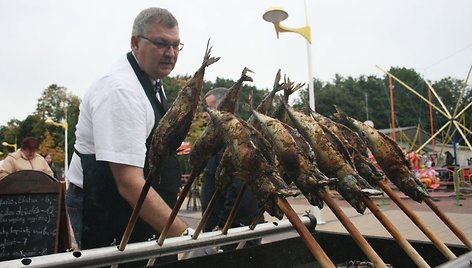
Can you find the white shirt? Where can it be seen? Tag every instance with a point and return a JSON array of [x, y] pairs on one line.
[[115, 119]]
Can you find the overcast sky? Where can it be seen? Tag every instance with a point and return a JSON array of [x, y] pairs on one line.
[[69, 42]]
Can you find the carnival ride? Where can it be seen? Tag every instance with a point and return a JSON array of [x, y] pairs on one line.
[[460, 177]]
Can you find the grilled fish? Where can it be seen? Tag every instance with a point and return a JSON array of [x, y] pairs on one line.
[[266, 104], [330, 160], [289, 88], [252, 159], [174, 125], [356, 147], [209, 143], [388, 155], [295, 156]]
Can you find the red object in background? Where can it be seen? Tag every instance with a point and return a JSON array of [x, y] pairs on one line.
[[414, 160], [371, 156], [184, 148]]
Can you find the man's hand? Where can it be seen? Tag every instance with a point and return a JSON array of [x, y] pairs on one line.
[[130, 182]]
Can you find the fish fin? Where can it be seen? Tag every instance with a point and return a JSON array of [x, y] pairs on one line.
[[340, 116], [276, 86]]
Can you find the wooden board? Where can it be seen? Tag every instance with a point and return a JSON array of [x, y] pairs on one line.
[[32, 215]]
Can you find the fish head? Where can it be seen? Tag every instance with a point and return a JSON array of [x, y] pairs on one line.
[[350, 190]]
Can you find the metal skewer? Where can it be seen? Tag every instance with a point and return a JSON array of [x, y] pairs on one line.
[[449, 223], [306, 236], [425, 229], [404, 244], [356, 235]]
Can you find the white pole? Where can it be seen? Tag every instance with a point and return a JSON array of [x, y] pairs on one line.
[[311, 100], [66, 153], [311, 90]]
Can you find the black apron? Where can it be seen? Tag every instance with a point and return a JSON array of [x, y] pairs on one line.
[[105, 212]]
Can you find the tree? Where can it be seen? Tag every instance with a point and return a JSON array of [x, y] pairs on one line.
[[55, 102], [48, 146], [9, 133], [52, 102]]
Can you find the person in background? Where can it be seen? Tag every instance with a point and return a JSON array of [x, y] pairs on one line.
[[449, 159], [117, 117], [51, 164], [249, 208], [25, 158], [414, 159]]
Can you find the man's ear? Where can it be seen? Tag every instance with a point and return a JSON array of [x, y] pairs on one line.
[[135, 42]]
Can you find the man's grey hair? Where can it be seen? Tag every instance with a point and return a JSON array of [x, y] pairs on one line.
[[150, 16], [219, 93]]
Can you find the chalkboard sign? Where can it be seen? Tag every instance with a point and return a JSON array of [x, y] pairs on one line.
[[32, 215], [28, 225]]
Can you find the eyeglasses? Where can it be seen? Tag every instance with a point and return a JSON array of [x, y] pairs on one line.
[[164, 45]]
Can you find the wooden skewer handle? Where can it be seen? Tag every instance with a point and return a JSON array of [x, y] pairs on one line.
[[449, 223], [256, 220], [404, 244], [206, 214], [204, 218], [134, 215], [306, 236], [234, 210], [423, 227], [356, 235], [175, 209]]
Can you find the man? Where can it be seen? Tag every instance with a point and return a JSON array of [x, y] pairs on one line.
[[117, 117], [248, 209], [25, 158]]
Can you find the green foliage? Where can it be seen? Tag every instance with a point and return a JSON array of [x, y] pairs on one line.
[[53, 104], [364, 97], [368, 97]]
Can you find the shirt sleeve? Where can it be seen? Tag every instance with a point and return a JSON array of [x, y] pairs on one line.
[[119, 126], [6, 168]]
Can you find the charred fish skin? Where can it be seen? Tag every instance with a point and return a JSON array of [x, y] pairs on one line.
[[210, 143], [364, 165], [388, 155], [205, 147], [250, 162], [351, 149], [228, 104], [175, 124], [359, 150], [330, 161], [225, 172], [279, 110], [297, 165]]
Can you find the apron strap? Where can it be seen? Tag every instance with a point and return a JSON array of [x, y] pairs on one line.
[[159, 109]]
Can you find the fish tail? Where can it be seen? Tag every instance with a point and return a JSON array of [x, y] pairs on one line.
[[207, 59], [244, 75], [340, 115]]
